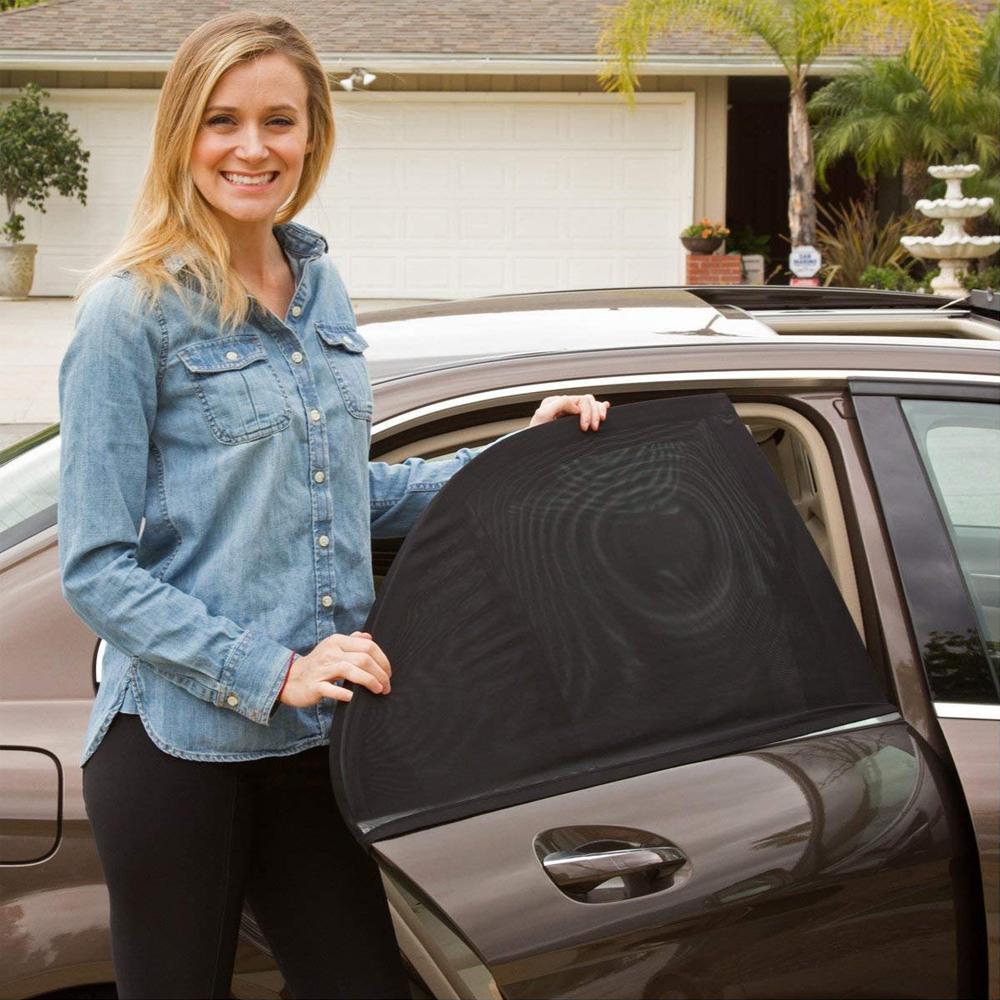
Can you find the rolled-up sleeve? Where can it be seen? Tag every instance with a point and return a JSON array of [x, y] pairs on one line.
[[108, 387]]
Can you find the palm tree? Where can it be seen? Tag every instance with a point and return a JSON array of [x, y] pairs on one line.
[[883, 116], [941, 42]]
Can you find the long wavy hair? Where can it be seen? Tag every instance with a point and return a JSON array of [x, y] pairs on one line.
[[171, 218]]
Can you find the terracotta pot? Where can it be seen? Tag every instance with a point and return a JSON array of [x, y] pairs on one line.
[[17, 269], [696, 244]]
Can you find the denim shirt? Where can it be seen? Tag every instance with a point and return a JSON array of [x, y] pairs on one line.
[[216, 504]]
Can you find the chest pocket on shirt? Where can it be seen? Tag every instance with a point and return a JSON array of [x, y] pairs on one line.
[[239, 390], [343, 347]]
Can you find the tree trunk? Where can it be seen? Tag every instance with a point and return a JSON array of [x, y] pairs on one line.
[[802, 170], [915, 181]]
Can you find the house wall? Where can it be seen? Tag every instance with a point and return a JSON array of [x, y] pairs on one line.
[[710, 106]]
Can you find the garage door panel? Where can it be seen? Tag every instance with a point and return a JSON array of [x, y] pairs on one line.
[[491, 125], [538, 126], [534, 273], [641, 272], [481, 274], [363, 275], [429, 275], [590, 273], [482, 224], [481, 171]]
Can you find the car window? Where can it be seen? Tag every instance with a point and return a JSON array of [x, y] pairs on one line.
[[574, 609], [29, 487], [959, 444]]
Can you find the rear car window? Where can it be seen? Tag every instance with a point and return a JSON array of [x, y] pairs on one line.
[[959, 445]]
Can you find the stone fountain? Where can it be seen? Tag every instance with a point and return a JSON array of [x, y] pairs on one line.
[[953, 246]]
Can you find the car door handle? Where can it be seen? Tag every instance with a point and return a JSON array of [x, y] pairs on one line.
[[583, 870]]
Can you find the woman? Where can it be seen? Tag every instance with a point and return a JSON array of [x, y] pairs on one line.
[[216, 510]]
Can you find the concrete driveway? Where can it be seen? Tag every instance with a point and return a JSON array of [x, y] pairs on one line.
[[34, 335]]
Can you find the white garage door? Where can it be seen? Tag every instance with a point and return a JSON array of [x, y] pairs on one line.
[[438, 195], [443, 195]]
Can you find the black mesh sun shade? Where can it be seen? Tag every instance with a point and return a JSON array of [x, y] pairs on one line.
[[576, 608]]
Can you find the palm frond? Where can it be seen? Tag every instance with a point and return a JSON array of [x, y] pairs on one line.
[[629, 27], [943, 41]]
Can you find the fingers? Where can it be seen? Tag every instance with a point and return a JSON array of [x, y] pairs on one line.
[[370, 666], [366, 675], [336, 645], [327, 690], [592, 412], [355, 644]]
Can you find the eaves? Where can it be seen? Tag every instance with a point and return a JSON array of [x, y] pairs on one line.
[[399, 62]]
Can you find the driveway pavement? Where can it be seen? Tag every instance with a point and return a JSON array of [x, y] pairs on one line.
[[34, 335]]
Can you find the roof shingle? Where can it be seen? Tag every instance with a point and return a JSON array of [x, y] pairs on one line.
[[343, 27]]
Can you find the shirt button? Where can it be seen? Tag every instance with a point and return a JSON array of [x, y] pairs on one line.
[[232, 356], [232, 701], [326, 600], [314, 415], [319, 476], [323, 541], [297, 357], [296, 311]]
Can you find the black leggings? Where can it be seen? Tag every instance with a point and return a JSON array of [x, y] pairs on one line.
[[183, 842]]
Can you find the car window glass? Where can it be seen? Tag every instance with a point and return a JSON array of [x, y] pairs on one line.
[[29, 486], [578, 608], [959, 444]]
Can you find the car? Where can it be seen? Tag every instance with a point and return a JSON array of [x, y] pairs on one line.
[[858, 858]]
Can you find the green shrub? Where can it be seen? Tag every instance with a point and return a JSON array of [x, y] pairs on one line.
[[892, 278], [987, 278]]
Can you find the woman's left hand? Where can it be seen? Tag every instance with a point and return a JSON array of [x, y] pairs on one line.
[[591, 411]]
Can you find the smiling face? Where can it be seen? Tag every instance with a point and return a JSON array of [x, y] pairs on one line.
[[253, 139]]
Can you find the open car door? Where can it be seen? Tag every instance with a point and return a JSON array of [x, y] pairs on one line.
[[635, 745]]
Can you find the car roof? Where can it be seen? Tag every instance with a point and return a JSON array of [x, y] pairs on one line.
[[443, 334]]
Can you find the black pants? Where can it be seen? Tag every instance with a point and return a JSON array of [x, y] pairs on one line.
[[183, 843]]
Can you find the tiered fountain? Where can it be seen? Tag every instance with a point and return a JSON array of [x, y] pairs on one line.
[[953, 246]]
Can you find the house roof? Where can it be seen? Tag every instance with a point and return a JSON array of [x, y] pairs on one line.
[[345, 29]]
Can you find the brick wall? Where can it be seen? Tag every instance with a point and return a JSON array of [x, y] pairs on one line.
[[714, 269]]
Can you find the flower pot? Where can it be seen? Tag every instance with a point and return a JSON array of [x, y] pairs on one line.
[[698, 244], [17, 269]]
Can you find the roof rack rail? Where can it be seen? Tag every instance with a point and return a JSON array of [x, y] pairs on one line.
[[752, 297], [985, 303]]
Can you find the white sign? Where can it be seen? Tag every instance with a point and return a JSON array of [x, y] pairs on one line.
[[804, 261]]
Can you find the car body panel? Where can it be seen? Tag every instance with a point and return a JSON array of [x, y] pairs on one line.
[[975, 749], [800, 854]]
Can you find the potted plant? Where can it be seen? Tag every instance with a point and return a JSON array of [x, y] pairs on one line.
[[704, 236], [39, 153]]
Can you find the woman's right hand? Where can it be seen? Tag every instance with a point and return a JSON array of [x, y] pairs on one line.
[[353, 658]]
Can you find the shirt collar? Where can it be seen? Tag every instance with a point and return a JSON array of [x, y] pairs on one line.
[[295, 239]]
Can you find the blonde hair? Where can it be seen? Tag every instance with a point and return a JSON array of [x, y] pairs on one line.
[[170, 216]]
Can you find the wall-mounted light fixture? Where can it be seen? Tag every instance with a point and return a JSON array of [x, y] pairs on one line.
[[358, 80]]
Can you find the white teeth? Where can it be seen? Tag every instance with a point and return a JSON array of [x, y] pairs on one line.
[[255, 181]]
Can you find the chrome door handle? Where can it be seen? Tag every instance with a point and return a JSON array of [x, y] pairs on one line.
[[584, 870]]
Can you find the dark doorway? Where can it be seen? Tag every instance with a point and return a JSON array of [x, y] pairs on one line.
[[757, 163]]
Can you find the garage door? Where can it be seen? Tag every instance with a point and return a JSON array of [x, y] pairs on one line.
[[451, 195], [439, 195]]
